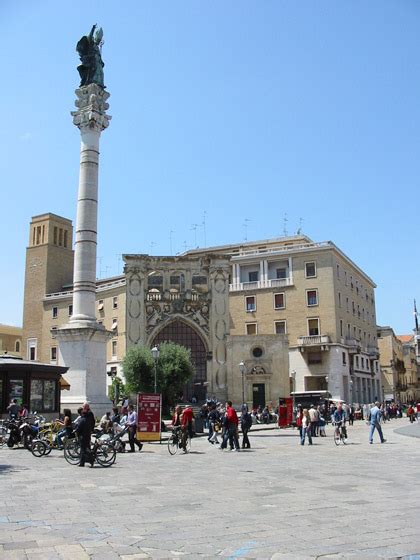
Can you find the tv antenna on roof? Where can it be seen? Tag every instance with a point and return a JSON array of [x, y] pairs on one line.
[[194, 228], [245, 226], [285, 220], [204, 228], [299, 230]]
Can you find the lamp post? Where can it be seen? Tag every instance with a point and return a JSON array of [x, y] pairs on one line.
[[155, 354], [292, 375], [242, 369]]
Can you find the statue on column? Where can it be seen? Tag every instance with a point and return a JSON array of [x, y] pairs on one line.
[[89, 49]]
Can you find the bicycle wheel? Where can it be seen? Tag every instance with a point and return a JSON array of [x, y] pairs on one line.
[[38, 448], [337, 437], [187, 445], [3, 435], [173, 445], [72, 452], [105, 455], [343, 439]]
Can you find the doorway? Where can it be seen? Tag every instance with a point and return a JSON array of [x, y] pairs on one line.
[[258, 395]]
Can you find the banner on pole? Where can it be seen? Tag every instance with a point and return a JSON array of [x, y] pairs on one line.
[[149, 415]]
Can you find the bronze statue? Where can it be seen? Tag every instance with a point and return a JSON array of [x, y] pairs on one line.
[[89, 49]]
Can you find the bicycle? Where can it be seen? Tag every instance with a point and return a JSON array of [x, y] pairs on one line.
[[102, 452], [340, 434], [179, 439], [4, 436]]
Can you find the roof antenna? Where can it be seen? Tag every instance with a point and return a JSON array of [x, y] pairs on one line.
[[245, 226], [299, 230], [204, 228], [285, 220]]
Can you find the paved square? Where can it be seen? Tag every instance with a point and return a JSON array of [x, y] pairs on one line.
[[278, 500]]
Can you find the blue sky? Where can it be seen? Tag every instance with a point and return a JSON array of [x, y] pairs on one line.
[[242, 110]]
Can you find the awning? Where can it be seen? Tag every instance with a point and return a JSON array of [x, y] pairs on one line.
[[64, 384]]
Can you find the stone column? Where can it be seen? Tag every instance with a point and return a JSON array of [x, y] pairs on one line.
[[91, 119], [82, 342]]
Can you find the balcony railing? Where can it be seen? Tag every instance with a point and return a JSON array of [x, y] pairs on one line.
[[271, 283], [314, 340], [354, 345]]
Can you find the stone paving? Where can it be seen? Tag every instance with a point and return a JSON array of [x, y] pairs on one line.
[[278, 500]]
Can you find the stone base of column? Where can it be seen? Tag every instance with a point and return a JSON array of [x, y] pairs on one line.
[[83, 350]]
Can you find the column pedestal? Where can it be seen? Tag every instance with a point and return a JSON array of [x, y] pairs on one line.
[[83, 350]]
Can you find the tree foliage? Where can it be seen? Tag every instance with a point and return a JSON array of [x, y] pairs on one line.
[[174, 370]]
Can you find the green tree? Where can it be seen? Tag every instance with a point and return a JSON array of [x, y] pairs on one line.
[[117, 388], [138, 370], [174, 370]]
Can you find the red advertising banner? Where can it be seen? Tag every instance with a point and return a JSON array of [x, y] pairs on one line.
[[289, 411], [149, 409]]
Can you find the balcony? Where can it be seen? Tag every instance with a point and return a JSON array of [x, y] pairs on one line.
[[354, 345], [373, 352], [260, 284], [320, 341]]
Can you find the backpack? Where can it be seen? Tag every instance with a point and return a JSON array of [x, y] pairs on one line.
[[247, 421]]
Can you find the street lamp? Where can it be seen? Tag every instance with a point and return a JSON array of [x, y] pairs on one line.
[[292, 375], [155, 354], [242, 369]]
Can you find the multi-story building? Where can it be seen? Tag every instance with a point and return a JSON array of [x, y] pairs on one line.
[[324, 303], [391, 363], [408, 386], [10, 340], [281, 290]]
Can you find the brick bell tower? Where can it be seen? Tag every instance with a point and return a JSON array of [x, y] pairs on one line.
[[49, 267]]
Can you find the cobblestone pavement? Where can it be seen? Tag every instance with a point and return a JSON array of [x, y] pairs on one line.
[[278, 500]]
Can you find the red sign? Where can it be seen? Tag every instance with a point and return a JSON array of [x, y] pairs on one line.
[[148, 416], [289, 411], [285, 413]]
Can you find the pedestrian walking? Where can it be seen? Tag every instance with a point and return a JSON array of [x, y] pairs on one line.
[[84, 432], [214, 424], [246, 423], [306, 427], [299, 416], [132, 429], [375, 423], [231, 431], [314, 416]]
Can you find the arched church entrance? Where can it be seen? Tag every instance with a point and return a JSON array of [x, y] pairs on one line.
[[181, 333]]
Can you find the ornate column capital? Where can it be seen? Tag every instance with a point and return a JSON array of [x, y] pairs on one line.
[[92, 105]]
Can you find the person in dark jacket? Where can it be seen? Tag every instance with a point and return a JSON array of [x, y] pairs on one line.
[[84, 433], [246, 423]]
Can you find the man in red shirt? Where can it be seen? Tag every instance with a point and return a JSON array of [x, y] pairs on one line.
[[231, 428], [186, 424]]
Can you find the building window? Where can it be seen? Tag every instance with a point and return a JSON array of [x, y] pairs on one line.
[[280, 327], [54, 312], [345, 278], [339, 299], [65, 238], [115, 302], [43, 395], [114, 325], [310, 270], [17, 346], [100, 305], [55, 235], [53, 332], [53, 354], [356, 361], [348, 330], [313, 327], [281, 272], [70, 310], [347, 304], [60, 237], [253, 276], [344, 358], [114, 348], [314, 358], [353, 308], [338, 271], [311, 297], [362, 361], [250, 304], [251, 328], [279, 301], [341, 327], [32, 348]]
